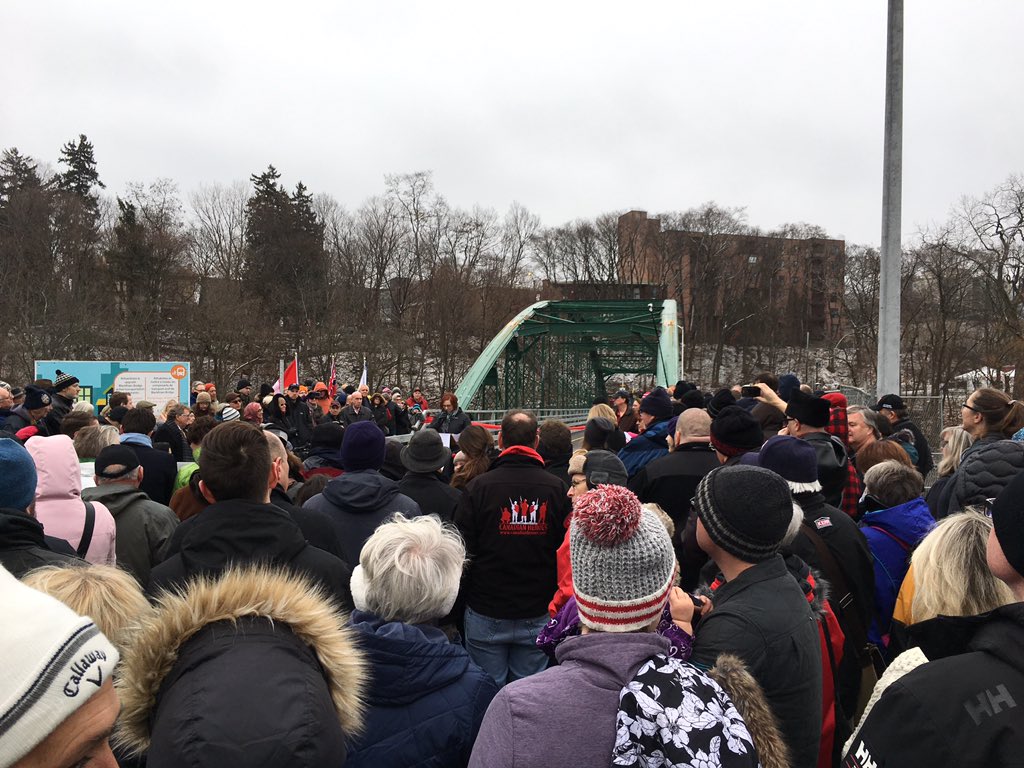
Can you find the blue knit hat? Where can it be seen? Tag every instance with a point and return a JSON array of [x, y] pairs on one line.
[[18, 471], [363, 447]]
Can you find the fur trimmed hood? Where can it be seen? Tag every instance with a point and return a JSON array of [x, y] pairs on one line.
[[239, 593], [731, 673]]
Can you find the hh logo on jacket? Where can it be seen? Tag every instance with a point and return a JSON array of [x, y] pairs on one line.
[[524, 518]]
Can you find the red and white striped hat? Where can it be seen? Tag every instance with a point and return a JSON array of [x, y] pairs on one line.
[[623, 564]]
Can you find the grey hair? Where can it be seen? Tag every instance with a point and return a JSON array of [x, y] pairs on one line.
[[794, 525], [89, 441], [176, 410], [893, 483], [132, 476], [412, 569], [84, 407], [870, 418]]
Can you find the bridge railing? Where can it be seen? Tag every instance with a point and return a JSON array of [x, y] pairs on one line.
[[571, 416]]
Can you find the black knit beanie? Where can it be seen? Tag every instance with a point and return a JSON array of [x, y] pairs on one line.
[[723, 399], [657, 403], [745, 510], [735, 432]]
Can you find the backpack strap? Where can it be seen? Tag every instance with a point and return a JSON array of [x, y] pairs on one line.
[[897, 539], [90, 524], [857, 631]]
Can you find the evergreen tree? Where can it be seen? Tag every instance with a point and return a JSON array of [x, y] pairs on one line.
[[81, 176]]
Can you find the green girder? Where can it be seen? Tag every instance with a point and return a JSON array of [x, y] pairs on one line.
[[560, 354]]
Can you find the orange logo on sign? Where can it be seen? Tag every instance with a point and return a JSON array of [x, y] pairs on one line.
[[178, 372]]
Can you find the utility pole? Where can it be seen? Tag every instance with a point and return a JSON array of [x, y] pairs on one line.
[[888, 371]]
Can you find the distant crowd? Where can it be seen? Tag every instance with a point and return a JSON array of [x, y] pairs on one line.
[[761, 575]]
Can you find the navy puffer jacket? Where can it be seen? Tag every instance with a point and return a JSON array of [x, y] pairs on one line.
[[426, 699]]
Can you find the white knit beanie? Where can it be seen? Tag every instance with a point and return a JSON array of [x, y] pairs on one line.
[[54, 661], [623, 563]]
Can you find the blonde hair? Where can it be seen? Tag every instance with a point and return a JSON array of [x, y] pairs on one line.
[[957, 441], [951, 573], [109, 596], [602, 411]]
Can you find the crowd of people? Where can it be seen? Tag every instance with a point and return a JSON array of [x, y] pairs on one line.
[[762, 575]]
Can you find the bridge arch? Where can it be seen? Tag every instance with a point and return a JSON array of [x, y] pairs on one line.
[[560, 354]]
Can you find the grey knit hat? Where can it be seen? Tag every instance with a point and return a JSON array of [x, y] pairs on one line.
[[745, 510], [623, 563]]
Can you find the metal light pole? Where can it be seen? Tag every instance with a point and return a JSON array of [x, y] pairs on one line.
[[888, 371]]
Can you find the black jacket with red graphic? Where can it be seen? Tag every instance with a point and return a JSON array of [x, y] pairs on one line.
[[512, 518]]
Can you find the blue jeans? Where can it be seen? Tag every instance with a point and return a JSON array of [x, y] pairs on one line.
[[506, 649]]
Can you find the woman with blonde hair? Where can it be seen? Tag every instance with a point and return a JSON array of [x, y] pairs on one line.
[[601, 411], [955, 440], [111, 597], [949, 577]]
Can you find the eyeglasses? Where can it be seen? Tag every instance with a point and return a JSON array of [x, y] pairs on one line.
[[970, 407]]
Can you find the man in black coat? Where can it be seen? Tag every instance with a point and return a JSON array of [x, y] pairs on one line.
[[241, 526], [671, 480], [760, 613], [23, 545], [172, 432], [299, 417], [512, 518], [424, 458], [158, 467], [830, 542], [355, 410], [893, 409]]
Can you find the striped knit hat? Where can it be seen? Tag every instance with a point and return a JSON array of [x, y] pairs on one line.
[[54, 661], [622, 560], [745, 510]]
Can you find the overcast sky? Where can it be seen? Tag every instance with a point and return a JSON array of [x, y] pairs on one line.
[[570, 108]]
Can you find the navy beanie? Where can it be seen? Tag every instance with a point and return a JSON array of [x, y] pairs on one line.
[[363, 447], [788, 384], [18, 471]]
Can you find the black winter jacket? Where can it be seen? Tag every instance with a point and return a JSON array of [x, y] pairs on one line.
[[159, 471], [23, 546], [670, 481], [241, 532], [452, 423], [850, 551], [169, 432], [984, 471], [356, 503], [832, 461], [924, 462], [762, 617], [962, 708], [432, 493], [512, 518], [253, 670]]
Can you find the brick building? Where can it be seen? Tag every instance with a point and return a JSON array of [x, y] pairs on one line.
[[739, 289]]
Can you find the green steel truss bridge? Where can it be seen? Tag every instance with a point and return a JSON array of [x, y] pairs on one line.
[[560, 354]]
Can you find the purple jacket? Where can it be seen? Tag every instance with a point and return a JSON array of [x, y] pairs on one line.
[[567, 710]]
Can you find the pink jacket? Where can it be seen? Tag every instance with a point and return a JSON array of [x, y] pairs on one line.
[[59, 505]]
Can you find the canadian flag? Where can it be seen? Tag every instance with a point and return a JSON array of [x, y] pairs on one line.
[[291, 376]]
